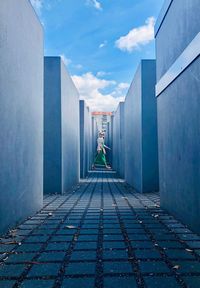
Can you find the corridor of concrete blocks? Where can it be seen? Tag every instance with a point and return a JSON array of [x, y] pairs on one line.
[[62, 226]]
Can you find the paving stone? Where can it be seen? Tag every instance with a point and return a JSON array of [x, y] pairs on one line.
[[112, 231], [89, 226], [108, 237], [29, 247], [66, 231], [153, 267], [170, 244], [190, 237], [161, 282], [86, 245], [20, 257], [165, 237], [192, 281], [115, 254], [37, 284], [194, 244], [142, 244], [6, 248], [197, 251], [88, 237], [147, 254], [46, 269], [36, 239], [6, 283], [135, 231], [117, 267], [80, 268], [23, 232], [114, 244], [65, 238], [179, 254], [60, 246], [43, 232], [78, 283], [12, 270], [136, 237], [125, 282], [51, 256], [108, 226], [83, 255], [89, 231], [188, 266], [29, 226]]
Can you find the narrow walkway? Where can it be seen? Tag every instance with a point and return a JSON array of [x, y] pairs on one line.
[[101, 234]]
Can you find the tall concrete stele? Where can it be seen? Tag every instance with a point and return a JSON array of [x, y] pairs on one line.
[[85, 139], [177, 35], [140, 122], [118, 147], [61, 128], [21, 112]]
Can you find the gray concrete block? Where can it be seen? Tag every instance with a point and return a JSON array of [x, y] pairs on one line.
[[85, 139], [178, 113], [118, 147], [141, 153], [21, 112], [61, 128]]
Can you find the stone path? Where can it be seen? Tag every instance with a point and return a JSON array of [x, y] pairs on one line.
[[101, 234]]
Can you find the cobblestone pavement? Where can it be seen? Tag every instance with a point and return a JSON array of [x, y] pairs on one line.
[[100, 234]]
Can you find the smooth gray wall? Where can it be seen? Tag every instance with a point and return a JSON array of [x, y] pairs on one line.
[[118, 149], [182, 23], [141, 149], [179, 117], [21, 112], [85, 139], [61, 128], [108, 142], [94, 138], [52, 125]]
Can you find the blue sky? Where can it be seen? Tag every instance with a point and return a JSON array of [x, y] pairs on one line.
[[101, 43]]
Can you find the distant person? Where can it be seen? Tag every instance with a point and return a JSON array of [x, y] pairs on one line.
[[100, 158]]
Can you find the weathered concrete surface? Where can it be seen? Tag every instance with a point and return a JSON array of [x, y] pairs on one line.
[[178, 116], [85, 139], [94, 137], [61, 128], [141, 149], [21, 112], [118, 147]]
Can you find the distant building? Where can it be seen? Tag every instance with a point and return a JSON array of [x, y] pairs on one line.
[[102, 119]]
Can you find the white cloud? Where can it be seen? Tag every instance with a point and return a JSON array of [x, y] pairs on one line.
[[137, 36], [102, 74], [37, 5], [66, 60], [90, 88], [103, 44], [78, 66], [123, 86], [94, 3], [120, 90]]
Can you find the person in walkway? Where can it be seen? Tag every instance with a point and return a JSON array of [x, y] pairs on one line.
[[100, 158]]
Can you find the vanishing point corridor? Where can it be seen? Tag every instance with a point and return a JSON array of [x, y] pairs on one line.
[[100, 234]]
